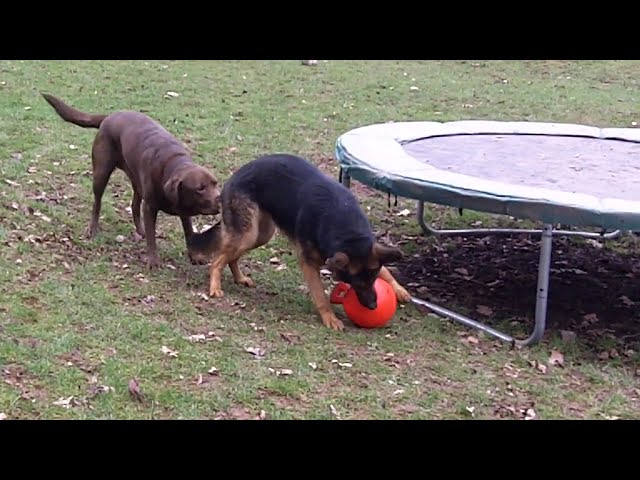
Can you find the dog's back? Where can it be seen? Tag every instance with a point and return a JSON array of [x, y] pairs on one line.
[[303, 202]]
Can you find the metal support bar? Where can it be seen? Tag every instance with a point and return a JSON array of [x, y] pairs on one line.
[[443, 312], [497, 231]]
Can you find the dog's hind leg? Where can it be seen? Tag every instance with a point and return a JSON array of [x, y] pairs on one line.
[[256, 230], [266, 231], [104, 163], [135, 212]]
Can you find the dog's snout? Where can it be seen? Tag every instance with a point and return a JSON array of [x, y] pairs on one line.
[[368, 300]]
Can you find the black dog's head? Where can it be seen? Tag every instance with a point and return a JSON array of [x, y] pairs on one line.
[[361, 272]]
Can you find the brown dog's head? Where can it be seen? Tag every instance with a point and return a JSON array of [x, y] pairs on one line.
[[361, 273], [193, 191]]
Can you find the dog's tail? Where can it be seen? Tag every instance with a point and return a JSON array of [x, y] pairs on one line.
[[72, 115]]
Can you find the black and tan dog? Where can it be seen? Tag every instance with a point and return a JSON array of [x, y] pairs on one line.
[[161, 171], [319, 216]]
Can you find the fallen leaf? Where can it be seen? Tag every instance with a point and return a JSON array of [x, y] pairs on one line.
[[484, 310], [197, 338], [413, 88], [462, 271], [556, 358], [171, 95], [73, 147], [262, 415], [398, 392], [471, 410], [334, 411], [313, 365], [627, 301], [345, 365], [134, 390], [3, 416], [258, 352], [594, 243], [530, 414], [542, 367], [291, 338], [403, 213], [12, 183], [149, 299], [473, 340], [213, 371], [167, 351], [64, 402], [567, 336], [274, 261], [591, 317]]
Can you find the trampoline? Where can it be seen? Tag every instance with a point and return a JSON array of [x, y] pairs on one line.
[[553, 173]]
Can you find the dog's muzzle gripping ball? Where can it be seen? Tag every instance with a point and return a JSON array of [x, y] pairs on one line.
[[361, 316]]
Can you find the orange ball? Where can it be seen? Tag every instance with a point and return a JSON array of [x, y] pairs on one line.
[[361, 316]]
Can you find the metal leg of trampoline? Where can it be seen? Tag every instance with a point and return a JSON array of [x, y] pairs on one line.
[[344, 178], [541, 300]]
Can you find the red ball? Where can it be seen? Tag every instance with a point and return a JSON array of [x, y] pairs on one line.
[[360, 315]]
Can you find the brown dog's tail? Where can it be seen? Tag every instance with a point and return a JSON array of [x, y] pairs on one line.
[[72, 115]]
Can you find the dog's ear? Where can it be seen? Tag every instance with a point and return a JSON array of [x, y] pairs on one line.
[[339, 261], [172, 189], [381, 255]]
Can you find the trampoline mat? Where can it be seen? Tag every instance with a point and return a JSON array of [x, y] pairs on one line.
[[600, 167]]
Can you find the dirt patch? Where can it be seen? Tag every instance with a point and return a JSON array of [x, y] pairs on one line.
[[77, 360], [239, 412], [18, 377], [592, 290]]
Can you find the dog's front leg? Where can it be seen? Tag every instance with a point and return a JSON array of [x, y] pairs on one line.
[[187, 226], [401, 293], [314, 282], [150, 216]]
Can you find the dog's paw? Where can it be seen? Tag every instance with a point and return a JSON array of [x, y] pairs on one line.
[[153, 262], [333, 322], [137, 237], [216, 293], [246, 281], [90, 232], [197, 259], [401, 294]]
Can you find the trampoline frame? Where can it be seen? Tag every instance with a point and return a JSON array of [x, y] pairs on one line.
[[544, 265]]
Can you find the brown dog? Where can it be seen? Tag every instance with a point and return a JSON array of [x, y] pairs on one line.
[[161, 171], [319, 216]]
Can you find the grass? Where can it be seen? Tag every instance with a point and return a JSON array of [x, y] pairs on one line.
[[78, 316]]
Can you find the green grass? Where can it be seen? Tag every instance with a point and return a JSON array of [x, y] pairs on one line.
[[75, 314]]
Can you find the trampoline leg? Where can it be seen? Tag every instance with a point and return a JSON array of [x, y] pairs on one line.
[[543, 287], [542, 291], [344, 178]]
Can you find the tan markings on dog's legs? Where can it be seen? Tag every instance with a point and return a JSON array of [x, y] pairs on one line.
[[239, 277], [402, 295], [312, 278]]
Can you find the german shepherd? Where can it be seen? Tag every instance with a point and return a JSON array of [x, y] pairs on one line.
[[320, 217]]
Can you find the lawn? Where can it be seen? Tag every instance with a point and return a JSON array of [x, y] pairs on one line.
[[83, 322]]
